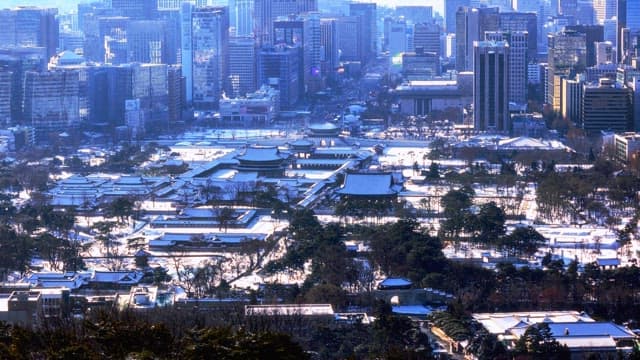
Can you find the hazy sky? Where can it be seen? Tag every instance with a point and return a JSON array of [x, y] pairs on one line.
[[65, 5]]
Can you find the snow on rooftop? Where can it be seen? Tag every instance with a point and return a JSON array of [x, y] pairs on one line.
[[368, 184]]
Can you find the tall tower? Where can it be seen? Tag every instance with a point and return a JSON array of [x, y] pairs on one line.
[[242, 16], [30, 26], [427, 36], [517, 41], [267, 11], [367, 29], [491, 86], [567, 55], [242, 65], [471, 25], [278, 67], [210, 40], [450, 9]]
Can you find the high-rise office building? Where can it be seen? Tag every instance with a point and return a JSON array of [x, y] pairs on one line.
[[567, 55], [491, 86], [568, 7], [18, 61], [593, 34], [208, 46], [518, 42], [242, 18], [367, 28], [604, 9], [420, 65], [571, 108], [5, 97], [604, 53], [30, 27], [607, 107], [136, 9], [633, 15], [415, 14], [242, 65], [267, 11], [471, 25], [330, 59], [175, 96], [398, 43], [520, 21], [450, 9], [279, 67], [427, 36], [348, 39], [147, 42], [51, 102], [302, 31], [584, 12]]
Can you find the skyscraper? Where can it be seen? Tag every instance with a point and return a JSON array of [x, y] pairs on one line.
[[136, 9], [267, 11], [593, 34], [427, 36], [472, 23], [367, 28], [450, 9], [302, 31], [279, 67], [491, 86], [329, 43], [517, 41], [51, 101], [209, 35], [520, 21], [607, 106], [30, 26], [241, 12], [568, 7], [242, 65], [567, 55]]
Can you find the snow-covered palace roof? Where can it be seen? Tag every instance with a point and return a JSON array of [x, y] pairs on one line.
[[368, 184]]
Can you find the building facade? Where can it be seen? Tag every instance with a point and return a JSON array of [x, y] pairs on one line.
[[491, 86]]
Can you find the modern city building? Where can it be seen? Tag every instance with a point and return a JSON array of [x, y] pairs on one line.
[[279, 67], [330, 56], [28, 26], [593, 34], [571, 108], [566, 56], [427, 36], [242, 66], [420, 65], [208, 65], [256, 109], [472, 23], [267, 11], [607, 107], [51, 102], [605, 53], [491, 86], [518, 61], [367, 28], [242, 17], [523, 21], [450, 9]]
